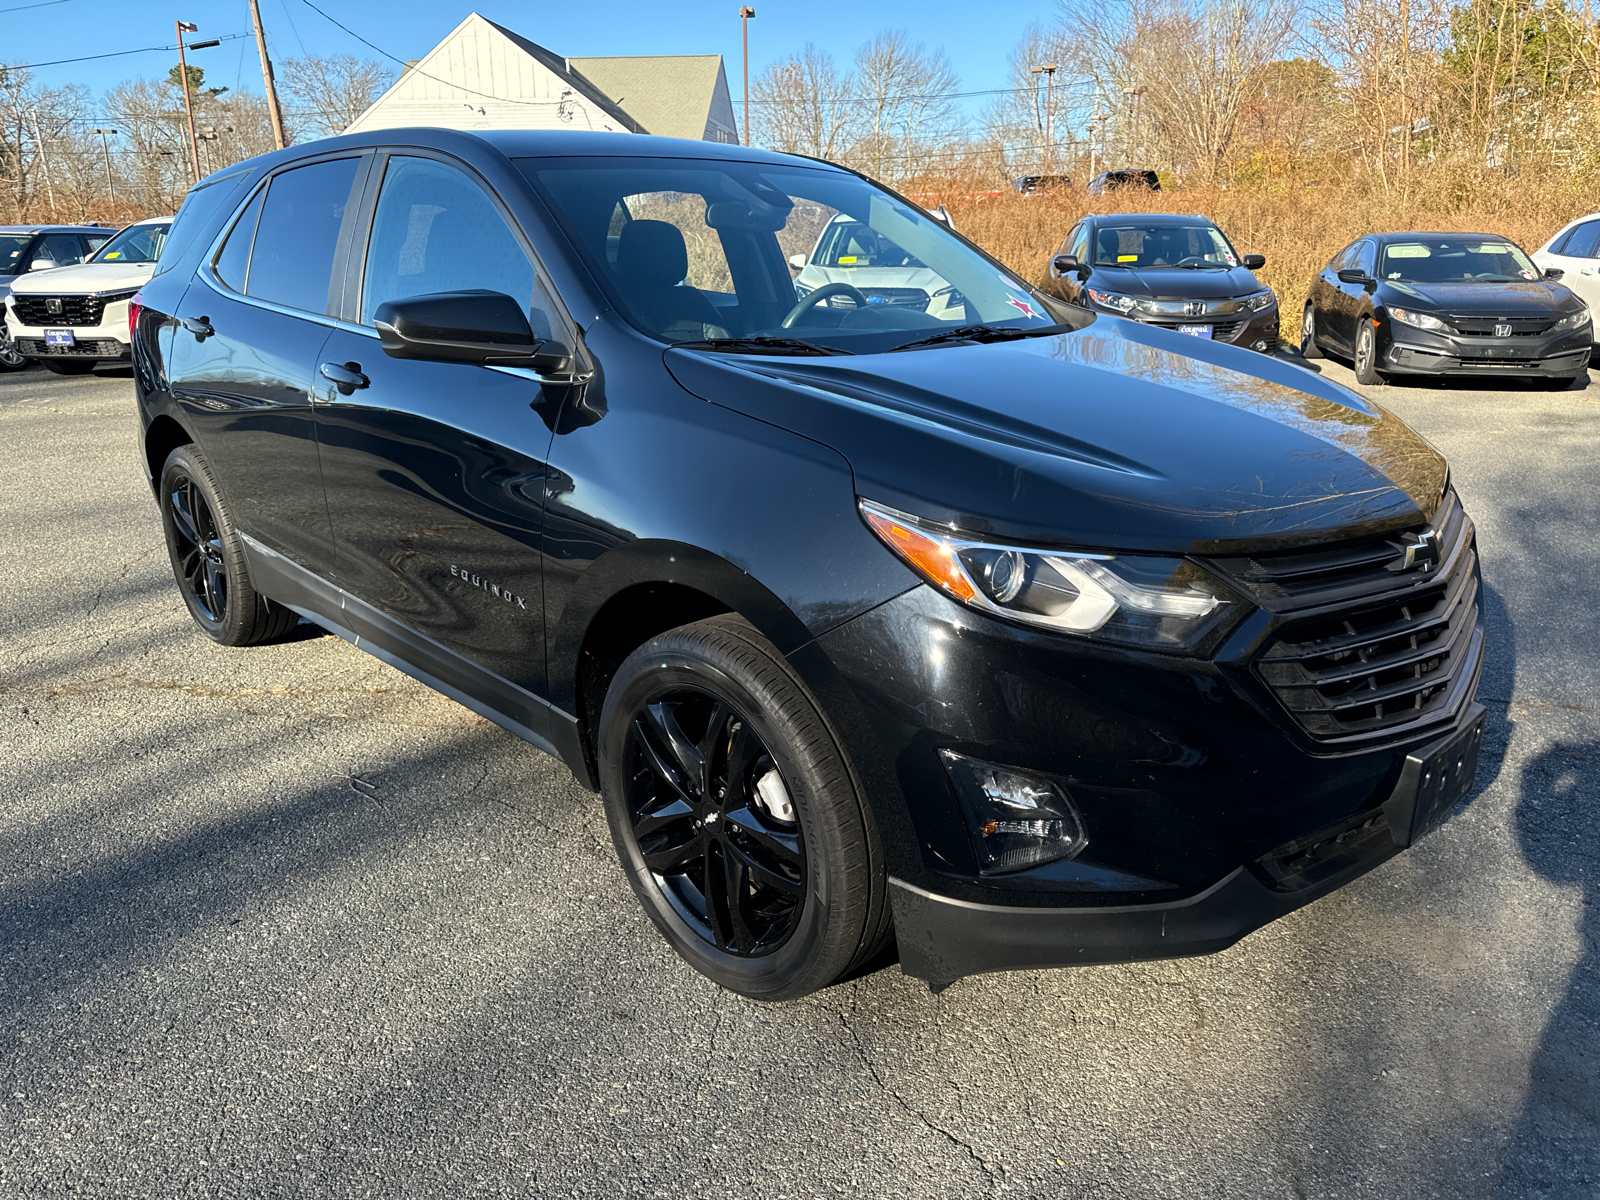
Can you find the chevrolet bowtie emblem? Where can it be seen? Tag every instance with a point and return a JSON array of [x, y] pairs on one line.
[[1417, 552]]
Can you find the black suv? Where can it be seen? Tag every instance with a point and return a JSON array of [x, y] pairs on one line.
[[1179, 272], [1016, 634]]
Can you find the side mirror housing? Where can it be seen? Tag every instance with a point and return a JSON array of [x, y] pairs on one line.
[[797, 261], [1254, 262], [1553, 273], [1068, 264], [1357, 276], [42, 264], [479, 327]]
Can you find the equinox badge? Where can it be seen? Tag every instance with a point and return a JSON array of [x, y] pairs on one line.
[[494, 589]]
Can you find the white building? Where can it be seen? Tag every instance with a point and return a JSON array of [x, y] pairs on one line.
[[483, 76]]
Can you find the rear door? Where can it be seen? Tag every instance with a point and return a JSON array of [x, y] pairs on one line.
[[244, 353], [435, 470]]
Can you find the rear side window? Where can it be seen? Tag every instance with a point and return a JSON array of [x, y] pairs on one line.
[[292, 260], [233, 263], [436, 230]]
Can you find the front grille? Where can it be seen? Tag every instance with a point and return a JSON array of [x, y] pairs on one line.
[[75, 310], [96, 348], [900, 297], [1365, 649], [1484, 326]]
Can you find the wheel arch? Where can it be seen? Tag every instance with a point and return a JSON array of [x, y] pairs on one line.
[[163, 437]]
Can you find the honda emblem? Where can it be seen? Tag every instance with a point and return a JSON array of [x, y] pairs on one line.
[[1502, 331], [1194, 308], [53, 305]]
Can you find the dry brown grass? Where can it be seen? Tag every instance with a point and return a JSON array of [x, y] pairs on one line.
[[1298, 229]]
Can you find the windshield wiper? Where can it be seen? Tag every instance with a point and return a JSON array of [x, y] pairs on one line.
[[758, 345], [980, 333]]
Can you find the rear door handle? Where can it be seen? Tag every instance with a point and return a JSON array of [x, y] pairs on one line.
[[199, 326], [347, 377]]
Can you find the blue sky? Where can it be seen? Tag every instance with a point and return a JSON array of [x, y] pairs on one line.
[[977, 40]]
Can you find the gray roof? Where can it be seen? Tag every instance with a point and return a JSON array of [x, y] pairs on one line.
[[586, 88], [670, 94]]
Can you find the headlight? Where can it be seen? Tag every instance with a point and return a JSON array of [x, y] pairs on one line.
[[1420, 320], [1113, 300], [1575, 320], [1134, 599], [1260, 301]]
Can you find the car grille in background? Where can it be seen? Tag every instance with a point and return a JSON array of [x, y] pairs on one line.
[[1222, 331], [1484, 326], [1364, 649], [901, 297], [98, 348], [75, 310]]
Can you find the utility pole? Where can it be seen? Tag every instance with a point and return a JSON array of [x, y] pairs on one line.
[[745, 13], [106, 150], [279, 138], [188, 105], [1048, 70]]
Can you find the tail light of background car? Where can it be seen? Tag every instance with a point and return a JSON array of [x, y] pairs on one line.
[[135, 307]]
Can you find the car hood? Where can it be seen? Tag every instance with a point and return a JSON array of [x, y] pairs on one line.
[[1531, 299], [1118, 435], [85, 278], [1176, 283]]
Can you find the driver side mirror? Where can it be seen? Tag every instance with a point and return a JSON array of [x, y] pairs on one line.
[[1068, 264], [1357, 276], [42, 264], [1553, 273], [1254, 262], [797, 261], [479, 327]]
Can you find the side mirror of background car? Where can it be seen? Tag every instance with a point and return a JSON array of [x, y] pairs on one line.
[[797, 261], [1358, 276], [480, 327], [42, 264], [1254, 262], [1068, 264], [1553, 273]]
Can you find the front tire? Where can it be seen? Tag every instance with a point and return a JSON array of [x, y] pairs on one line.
[[1308, 334], [737, 819], [11, 359], [1366, 360], [69, 366], [208, 557]]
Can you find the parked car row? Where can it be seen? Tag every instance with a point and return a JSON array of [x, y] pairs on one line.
[[66, 305]]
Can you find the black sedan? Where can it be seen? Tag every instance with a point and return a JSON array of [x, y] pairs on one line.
[[1445, 303], [1177, 271]]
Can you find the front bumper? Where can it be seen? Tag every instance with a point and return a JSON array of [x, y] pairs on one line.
[[106, 341], [1412, 351], [1252, 331]]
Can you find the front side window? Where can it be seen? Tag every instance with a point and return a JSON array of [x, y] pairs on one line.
[[436, 230], [12, 246], [1582, 242], [1455, 260], [664, 264], [292, 260], [1136, 244], [63, 249], [135, 244]]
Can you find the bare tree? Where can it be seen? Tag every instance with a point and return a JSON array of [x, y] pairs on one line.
[[1030, 122], [327, 92], [905, 109], [803, 105]]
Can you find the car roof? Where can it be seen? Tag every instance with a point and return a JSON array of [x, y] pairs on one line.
[[1154, 218], [57, 229], [1425, 233]]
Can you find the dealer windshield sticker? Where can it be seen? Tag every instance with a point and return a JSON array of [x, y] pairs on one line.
[[1490, 248], [848, 260], [1410, 250], [1127, 258]]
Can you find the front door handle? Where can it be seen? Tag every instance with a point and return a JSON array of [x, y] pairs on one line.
[[347, 377], [199, 326]]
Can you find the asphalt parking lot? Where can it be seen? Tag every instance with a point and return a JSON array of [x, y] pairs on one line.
[[280, 921]]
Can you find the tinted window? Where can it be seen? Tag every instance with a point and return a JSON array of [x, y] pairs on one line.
[[11, 247], [1582, 242], [1367, 257], [135, 244], [234, 260], [63, 249], [437, 231], [1345, 258], [292, 262]]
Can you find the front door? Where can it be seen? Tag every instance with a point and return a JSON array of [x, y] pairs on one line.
[[245, 353], [435, 471]]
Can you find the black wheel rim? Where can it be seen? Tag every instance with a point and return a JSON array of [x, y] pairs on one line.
[[198, 549], [723, 856], [9, 354]]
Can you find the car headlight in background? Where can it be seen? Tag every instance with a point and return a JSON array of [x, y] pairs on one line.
[[1575, 320], [1133, 599], [1115, 301], [1260, 301], [1419, 319]]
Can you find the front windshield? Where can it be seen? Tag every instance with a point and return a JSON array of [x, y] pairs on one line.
[[1137, 245], [11, 247], [1455, 260], [135, 244], [695, 249]]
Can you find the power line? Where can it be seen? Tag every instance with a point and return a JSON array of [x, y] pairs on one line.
[[227, 37], [42, 4]]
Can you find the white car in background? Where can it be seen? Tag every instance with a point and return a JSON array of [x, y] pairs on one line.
[[71, 318], [849, 252], [1575, 252]]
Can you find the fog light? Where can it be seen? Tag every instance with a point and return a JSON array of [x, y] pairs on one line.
[[1015, 820], [1260, 344]]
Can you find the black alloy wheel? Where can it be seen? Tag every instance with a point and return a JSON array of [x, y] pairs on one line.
[[740, 825], [1366, 360], [208, 559], [1308, 334], [11, 359], [714, 822]]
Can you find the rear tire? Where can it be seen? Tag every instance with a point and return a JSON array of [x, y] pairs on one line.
[[1308, 334], [69, 366], [208, 557], [771, 891]]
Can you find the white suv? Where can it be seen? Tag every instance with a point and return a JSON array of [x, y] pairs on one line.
[[855, 259], [1575, 252], [71, 318]]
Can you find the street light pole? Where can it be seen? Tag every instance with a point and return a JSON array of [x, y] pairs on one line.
[[1048, 70], [745, 13], [106, 150]]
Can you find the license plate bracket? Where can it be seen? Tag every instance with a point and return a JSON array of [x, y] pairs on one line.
[[1433, 781], [1199, 331], [60, 337]]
